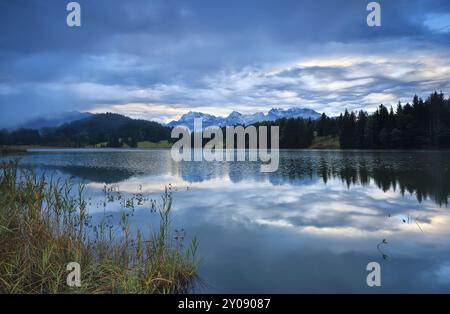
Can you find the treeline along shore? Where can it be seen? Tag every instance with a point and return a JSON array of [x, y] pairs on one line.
[[421, 124]]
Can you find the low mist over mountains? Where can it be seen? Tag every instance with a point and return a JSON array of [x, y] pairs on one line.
[[55, 120], [102, 129], [235, 117]]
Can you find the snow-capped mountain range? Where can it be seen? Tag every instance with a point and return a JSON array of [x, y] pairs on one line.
[[236, 118]]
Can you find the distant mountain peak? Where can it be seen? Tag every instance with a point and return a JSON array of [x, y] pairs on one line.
[[235, 114]]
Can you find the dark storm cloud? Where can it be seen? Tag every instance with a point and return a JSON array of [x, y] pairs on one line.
[[215, 54]]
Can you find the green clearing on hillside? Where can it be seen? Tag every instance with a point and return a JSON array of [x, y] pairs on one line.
[[325, 142], [160, 144]]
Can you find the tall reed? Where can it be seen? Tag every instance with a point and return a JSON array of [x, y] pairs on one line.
[[44, 225]]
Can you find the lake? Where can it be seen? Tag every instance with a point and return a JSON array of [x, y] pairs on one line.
[[312, 226]]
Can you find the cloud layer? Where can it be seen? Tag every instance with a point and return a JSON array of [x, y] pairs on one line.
[[158, 59]]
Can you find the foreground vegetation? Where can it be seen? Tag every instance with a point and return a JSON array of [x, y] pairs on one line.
[[43, 227]]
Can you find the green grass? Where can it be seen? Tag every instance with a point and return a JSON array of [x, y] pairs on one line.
[[143, 144], [161, 144], [101, 145], [44, 226], [325, 142]]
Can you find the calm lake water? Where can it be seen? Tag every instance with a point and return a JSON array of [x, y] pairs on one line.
[[312, 226]]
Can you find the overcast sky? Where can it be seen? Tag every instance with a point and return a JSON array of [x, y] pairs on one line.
[[159, 59]]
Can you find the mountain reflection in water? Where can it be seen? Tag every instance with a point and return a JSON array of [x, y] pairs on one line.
[[312, 226]]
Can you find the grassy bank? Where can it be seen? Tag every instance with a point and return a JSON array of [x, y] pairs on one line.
[[325, 142], [43, 227], [143, 144], [147, 144], [6, 150]]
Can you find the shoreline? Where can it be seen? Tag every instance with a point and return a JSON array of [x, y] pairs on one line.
[[22, 149], [27, 149]]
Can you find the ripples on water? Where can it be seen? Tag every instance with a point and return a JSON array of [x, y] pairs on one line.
[[312, 226]]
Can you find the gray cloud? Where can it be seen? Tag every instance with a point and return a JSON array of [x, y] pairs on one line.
[[217, 55]]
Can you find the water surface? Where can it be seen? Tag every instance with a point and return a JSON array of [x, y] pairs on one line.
[[312, 226]]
